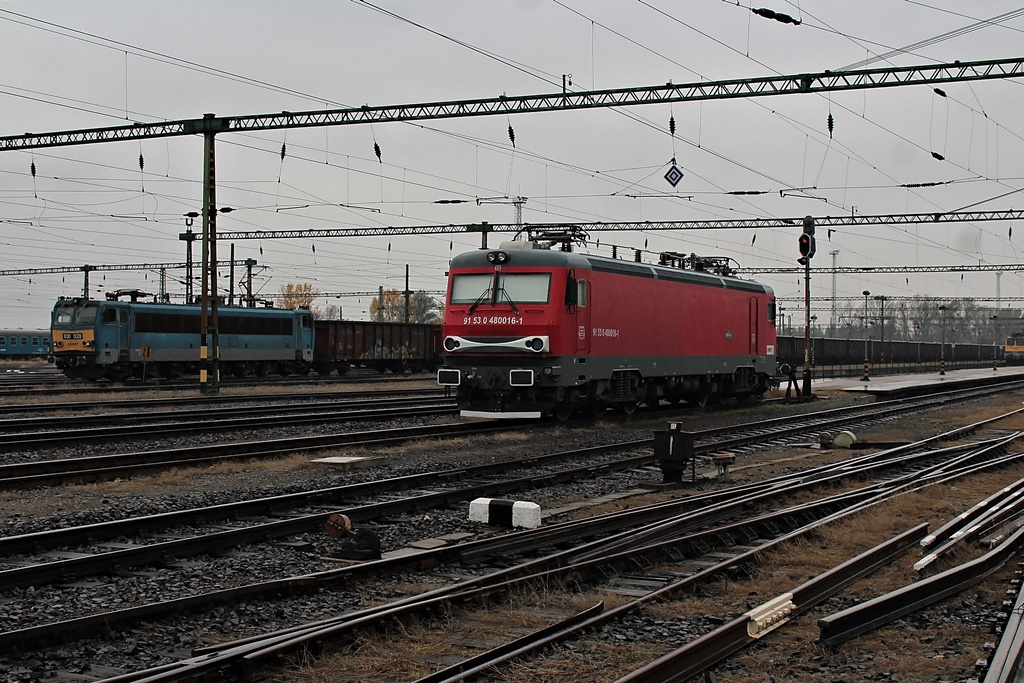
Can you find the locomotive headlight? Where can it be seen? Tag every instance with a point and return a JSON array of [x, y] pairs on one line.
[[537, 344], [497, 257], [450, 343]]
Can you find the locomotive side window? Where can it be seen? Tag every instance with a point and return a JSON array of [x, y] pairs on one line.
[[771, 311], [470, 289], [524, 288], [581, 293], [109, 316]]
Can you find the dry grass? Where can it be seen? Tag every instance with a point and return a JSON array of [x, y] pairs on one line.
[[417, 648]]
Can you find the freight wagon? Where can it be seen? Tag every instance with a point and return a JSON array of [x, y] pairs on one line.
[[344, 344]]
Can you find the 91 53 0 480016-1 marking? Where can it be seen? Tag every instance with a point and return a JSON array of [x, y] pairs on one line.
[[492, 320]]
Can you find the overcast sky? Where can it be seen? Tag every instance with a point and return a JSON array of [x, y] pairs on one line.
[[97, 64]]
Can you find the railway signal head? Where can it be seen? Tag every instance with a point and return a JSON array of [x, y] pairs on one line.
[[806, 243]]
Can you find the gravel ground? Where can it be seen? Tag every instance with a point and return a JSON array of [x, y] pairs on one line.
[[147, 645]]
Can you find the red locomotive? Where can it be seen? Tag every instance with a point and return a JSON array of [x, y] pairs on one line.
[[531, 331]]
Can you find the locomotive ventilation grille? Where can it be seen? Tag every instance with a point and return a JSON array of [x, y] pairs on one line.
[[531, 344]]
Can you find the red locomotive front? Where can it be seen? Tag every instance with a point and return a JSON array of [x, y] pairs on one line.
[[530, 331]]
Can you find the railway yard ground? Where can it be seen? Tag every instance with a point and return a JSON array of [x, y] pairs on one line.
[[943, 641]]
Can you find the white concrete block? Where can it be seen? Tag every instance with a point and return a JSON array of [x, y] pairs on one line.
[[510, 513]]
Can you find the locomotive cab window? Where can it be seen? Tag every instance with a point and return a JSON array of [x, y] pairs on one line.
[[524, 288], [86, 315], [771, 312], [471, 289], [64, 315]]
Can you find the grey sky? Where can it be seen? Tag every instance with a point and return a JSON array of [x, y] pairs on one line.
[[95, 64]]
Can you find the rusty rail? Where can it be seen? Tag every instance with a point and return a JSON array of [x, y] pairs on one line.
[[842, 626], [689, 660]]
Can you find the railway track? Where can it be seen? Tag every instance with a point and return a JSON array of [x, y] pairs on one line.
[[15, 434], [41, 472], [135, 406], [632, 547], [466, 553], [39, 383]]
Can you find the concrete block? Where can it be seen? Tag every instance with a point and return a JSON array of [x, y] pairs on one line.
[[509, 513]]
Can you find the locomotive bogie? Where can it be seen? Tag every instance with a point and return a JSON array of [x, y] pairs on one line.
[[554, 333]]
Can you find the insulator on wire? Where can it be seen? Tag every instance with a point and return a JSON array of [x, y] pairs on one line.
[[777, 16], [284, 150], [940, 92], [376, 150], [938, 157], [672, 125], [511, 135], [831, 125], [142, 162], [32, 167]]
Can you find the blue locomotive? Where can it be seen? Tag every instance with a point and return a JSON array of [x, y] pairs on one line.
[[116, 339], [24, 344]]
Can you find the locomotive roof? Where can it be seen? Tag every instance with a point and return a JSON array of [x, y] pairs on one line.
[[161, 307], [562, 259]]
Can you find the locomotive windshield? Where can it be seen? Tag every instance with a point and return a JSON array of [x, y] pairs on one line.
[[471, 289], [512, 288], [71, 315], [524, 288]]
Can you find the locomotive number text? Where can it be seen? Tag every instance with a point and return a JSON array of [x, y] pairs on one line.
[[71, 335], [492, 320]]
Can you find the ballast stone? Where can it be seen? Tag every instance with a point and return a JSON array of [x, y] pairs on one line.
[[500, 512]]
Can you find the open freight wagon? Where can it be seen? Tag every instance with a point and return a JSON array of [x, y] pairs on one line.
[[344, 344]]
